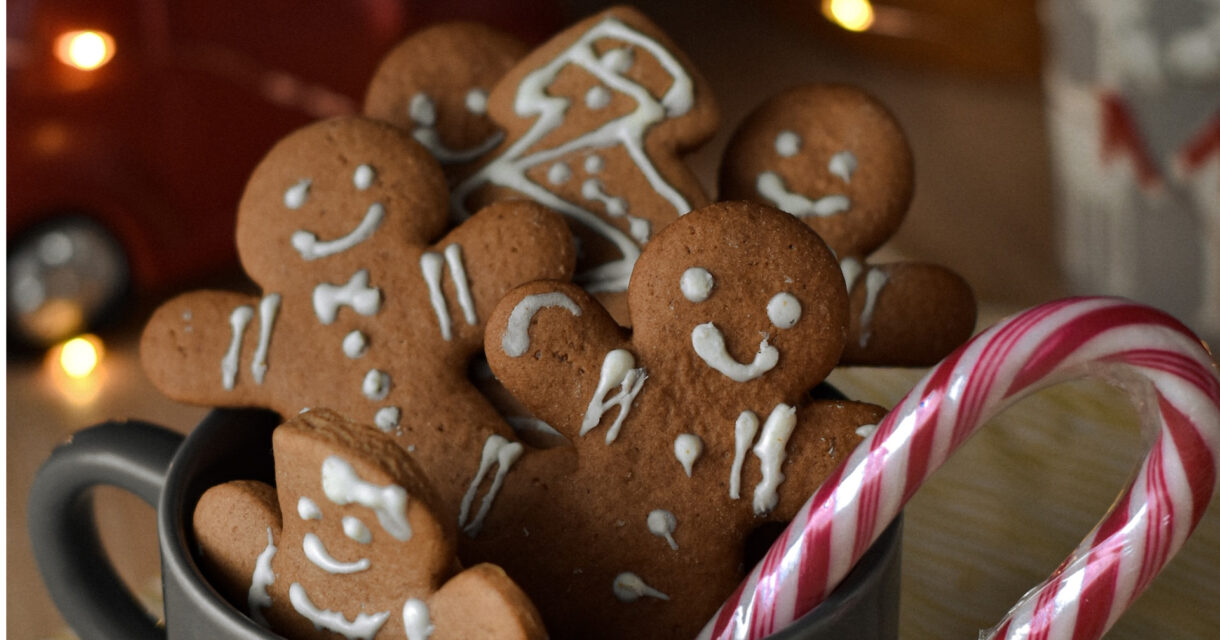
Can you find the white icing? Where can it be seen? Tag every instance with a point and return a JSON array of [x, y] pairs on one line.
[[268, 307], [376, 385], [628, 587], [851, 269], [430, 263], [389, 502], [476, 101], [597, 97], [594, 163], [257, 597], [709, 345], [662, 523], [315, 552], [238, 319], [873, 283], [617, 371], [771, 186], [865, 430], [355, 529], [363, 176], [687, 449], [355, 344], [696, 284], [308, 509], [788, 143], [559, 173], [547, 112], [516, 339], [843, 164], [416, 619], [422, 110], [364, 627], [295, 196], [357, 294], [784, 310], [311, 248], [499, 451], [593, 190], [743, 436], [771, 450], [387, 418], [423, 113]]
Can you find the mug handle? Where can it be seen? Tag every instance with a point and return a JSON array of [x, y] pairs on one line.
[[131, 455]]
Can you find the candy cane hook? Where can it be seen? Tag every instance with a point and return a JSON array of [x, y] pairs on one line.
[[1163, 367]]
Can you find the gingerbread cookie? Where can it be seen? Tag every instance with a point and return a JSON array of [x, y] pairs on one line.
[[361, 312], [595, 121], [691, 432], [435, 84], [350, 542], [834, 157]]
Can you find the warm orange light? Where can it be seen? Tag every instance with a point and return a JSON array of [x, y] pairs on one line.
[[853, 15], [85, 50], [80, 356]]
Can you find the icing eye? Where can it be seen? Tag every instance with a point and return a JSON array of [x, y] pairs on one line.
[[294, 197], [476, 101], [784, 310], [422, 110], [363, 177], [308, 509], [356, 530], [787, 143], [697, 284], [597, 97], [843, 164]]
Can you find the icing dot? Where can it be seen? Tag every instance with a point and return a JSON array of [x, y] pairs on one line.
[[617, 60], [376, 384], [865, 430], [662, 523], [784, 310], [308, 509], [363, 177], [295, 196], [559, 173], [697, 284], [355, 344], [416, 620], [787, 143], [843, 164], [687, 448], [594, 163], [597, 97], [387, 418], [422, 110], [628, 587], [356, 530], [476, 101]]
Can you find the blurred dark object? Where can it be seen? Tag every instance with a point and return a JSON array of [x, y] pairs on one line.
[[133, 125], [979, 36]]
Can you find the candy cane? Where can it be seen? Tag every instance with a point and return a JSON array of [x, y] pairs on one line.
[[1157, 361]]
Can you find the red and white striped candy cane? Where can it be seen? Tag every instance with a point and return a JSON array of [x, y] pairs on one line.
[[1157, 361]]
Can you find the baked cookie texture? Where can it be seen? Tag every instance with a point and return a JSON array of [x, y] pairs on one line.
[[371, 307], [350, 542], [691, 432], [836, 158]]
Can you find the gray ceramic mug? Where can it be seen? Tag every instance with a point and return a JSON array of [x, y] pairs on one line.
[[170, 473]]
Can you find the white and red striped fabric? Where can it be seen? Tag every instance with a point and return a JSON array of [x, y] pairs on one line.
[[1169, 375]]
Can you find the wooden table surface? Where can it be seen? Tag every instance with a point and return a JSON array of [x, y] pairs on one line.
[[992, 523]]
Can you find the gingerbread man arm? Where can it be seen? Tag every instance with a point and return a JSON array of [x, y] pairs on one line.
[[547, 342], [905, 313], [504, 611], [505, 244], [210, 347], [234, 524]]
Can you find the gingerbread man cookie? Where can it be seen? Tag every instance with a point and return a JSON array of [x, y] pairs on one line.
[[435, 84], [691, 432], [595, 122], [350, 542], [361, 313], [834, 157]]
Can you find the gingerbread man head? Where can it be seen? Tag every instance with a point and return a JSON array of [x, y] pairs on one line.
[[435, 84], [361, 312], [834, 157], [348, 542], [691, 432]]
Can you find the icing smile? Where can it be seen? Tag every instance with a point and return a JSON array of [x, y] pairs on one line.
[[709, 344]]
